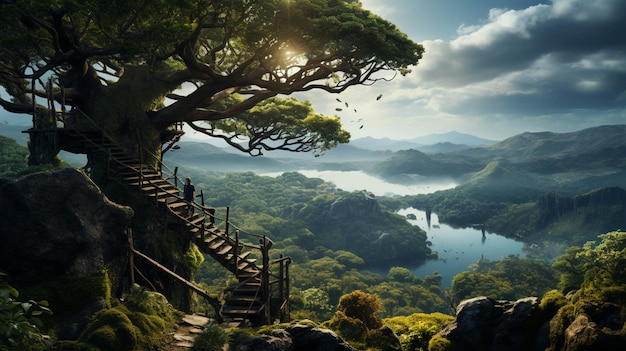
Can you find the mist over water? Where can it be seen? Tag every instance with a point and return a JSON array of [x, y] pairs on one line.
[[358, 180]]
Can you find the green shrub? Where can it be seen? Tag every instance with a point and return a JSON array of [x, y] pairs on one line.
[[416, 331], [362, 306], [439, 343], [551, 302], [212, 338], [350, 328]]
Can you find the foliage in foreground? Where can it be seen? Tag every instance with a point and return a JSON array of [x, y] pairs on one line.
[[212, 338], [415, 331], [510, 278], [20, 322], [13, 157]]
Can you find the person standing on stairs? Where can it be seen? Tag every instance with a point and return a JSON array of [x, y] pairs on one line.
[[190, 194]]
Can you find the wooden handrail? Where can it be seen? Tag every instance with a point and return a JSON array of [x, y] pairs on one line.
[[264, 243]]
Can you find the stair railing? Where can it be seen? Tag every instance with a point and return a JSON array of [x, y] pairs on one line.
[[264, 243]]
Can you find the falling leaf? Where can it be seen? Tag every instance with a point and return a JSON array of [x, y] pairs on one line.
[[347, 105], [338, 109], [379, 96], [338, 100]]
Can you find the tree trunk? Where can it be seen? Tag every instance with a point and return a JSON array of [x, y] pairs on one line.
[[121, 112]]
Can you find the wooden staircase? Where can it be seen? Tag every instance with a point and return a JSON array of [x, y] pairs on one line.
[[259, 297]]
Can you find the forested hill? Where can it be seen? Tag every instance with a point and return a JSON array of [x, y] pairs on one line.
[[570, 220], [604, 141], [574, 162]]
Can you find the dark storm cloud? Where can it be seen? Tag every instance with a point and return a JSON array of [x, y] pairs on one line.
[[568, 55]]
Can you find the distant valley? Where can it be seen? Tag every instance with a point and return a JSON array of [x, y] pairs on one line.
[[573, 163]]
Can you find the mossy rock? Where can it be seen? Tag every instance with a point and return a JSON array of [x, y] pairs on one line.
[[68, 295], [111, 329]]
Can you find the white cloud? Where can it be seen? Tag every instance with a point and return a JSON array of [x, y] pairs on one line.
[[558, 67]]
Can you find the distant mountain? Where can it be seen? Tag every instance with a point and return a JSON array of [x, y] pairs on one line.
[[572, 162], [412, 161], [599, 141], [453, 138], [341, 153], [502, 172], [213, 158], [14, 132], [430, 144], [371, 143]]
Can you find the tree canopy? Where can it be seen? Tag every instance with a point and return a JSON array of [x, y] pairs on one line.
[[219, 66]]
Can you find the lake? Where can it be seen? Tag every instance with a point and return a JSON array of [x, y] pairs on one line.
[[457, 247]]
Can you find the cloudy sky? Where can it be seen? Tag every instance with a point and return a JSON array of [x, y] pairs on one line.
[[497, 68], [494, 69]]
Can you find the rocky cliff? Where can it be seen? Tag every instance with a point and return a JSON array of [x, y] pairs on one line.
[[59, 224]]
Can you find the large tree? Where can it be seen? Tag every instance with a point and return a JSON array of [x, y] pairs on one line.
[[138, 69], [217, 65]]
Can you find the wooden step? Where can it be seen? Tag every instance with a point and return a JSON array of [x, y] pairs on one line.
[[239, 311], [175, 205], [134, 178], [195, 220], [247, 290], [242, 257], [247, 266], [223, 250], [214, 243], [244, 300]]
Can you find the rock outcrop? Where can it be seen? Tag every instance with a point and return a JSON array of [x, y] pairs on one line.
[[497, 325], [295, 337], [59, 224], [354, 206]]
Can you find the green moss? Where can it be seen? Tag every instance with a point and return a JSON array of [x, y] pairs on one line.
[[415, 331], [111, 329], [559, 323], [151, 313], [193, 258], [439, 343], [552, 301], [68, 295]]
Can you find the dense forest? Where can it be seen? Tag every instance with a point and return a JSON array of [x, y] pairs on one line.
[[342, 242]]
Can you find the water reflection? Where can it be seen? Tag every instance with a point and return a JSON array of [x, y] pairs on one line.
[[458, 248]]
